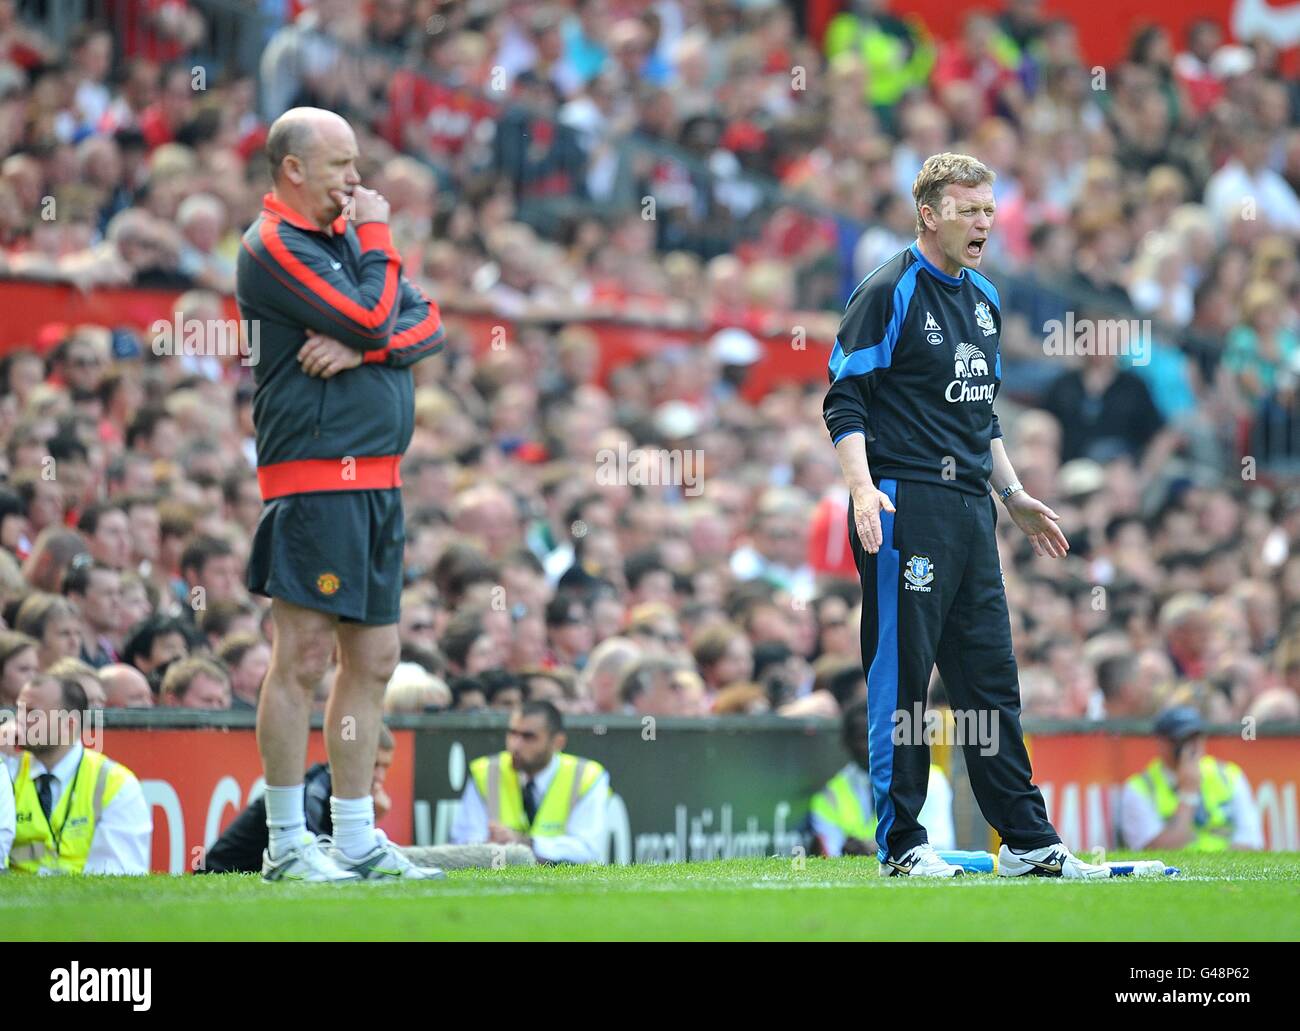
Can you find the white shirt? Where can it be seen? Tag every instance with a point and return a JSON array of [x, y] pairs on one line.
[[124, 831], [8, 819], [557, 563], [585, 840], [1275, 201], [1139, 822], [935, 816]]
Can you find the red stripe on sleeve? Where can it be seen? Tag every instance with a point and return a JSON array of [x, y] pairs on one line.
[[431, 323], [341, 302], [377, 236], [296, 289]]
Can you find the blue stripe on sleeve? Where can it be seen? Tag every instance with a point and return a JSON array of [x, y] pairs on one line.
[[847, 433], [877, 356]]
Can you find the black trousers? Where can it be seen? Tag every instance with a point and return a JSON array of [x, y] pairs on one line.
[[934, 593]]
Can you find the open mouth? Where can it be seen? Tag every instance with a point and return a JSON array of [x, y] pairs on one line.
[[975, 247]]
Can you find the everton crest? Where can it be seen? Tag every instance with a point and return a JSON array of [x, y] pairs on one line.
[[919, 573]]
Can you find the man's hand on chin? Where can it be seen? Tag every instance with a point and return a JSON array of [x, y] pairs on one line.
[[324, 356]]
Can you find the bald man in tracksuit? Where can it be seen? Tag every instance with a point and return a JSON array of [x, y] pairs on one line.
[[914, 374], [340, 326]]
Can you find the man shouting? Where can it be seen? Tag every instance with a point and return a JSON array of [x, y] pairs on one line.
[[914, 373]]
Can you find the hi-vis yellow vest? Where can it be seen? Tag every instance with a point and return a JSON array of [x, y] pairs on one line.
[[890, 71], [838, 803], [1218, 783], [73, 820], [498, 784]]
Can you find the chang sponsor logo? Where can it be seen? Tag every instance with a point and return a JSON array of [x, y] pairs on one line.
[[968, 363]]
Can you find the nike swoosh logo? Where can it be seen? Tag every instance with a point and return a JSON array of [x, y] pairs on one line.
[[900, 867], [1052, 867]]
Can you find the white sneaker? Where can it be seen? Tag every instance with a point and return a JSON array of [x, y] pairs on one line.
[[385, 862], [921, 861], [307, 861], [1050, 861]]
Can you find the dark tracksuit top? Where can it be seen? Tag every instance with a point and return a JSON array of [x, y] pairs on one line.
[[916, 369], [292, 278]]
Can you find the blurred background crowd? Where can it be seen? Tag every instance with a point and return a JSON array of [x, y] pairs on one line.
[[701, 165]]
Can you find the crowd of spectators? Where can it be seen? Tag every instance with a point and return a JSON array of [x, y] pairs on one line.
[[661, 134]]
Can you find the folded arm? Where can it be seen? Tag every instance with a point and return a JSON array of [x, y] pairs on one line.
[[298, 281]]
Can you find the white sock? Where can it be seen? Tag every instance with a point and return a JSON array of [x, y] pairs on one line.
[[354, 824], [284, 818]]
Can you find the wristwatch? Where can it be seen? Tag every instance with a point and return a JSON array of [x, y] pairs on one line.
[[1009, 489]]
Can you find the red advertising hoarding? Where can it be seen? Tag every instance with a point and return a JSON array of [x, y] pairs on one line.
[[197, 781], [1081, 775], [30, 307]]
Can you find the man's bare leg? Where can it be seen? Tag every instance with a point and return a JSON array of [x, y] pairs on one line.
[[300, 655], [367, 657]]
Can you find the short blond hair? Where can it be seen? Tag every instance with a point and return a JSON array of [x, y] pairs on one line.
[[70, 666], [413, 689], [942, 170]]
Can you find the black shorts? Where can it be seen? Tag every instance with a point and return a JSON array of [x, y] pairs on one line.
[[339, 552]]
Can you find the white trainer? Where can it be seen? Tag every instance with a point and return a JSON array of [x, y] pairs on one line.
[[385, 862], [1049, 861], [921, 861], [308, 861]]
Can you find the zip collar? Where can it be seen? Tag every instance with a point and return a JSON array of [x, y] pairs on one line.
[[277, 207], [930, 267]]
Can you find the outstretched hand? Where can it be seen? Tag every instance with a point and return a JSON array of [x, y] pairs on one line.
[[324, 356], [1039, 524]]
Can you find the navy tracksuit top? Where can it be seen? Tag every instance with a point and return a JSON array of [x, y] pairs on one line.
[[916, 368]]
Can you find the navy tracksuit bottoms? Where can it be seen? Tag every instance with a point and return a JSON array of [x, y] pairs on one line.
[[934, 593]]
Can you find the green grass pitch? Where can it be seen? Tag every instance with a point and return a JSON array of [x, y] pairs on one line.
[[1219, 897]]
